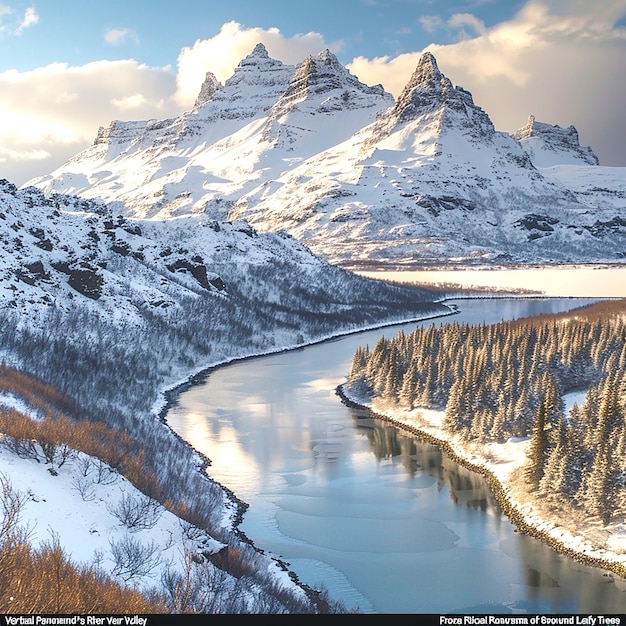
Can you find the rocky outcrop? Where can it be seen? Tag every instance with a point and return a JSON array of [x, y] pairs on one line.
[[208, 89], [87, 281], [537, 137], [198, 270]]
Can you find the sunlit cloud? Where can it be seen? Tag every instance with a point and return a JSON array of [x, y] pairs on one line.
[[136, 101], [7, 154], [55, 111]]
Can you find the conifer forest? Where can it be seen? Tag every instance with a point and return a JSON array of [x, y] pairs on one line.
[[508, 380]]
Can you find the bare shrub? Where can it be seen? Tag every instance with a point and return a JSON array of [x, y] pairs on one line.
[[133, 558], [137, 512], [12, 504], [190, 531], [197, 587], [104, 473], [84, 486]]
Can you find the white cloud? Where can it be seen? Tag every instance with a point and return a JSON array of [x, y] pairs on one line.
[[16, 27], [56, 110], [120, 36], [431, 23], [559, 60], [5, 10], [30, 18], [136, 101], [222, 53], [460, 20], [22, 155]]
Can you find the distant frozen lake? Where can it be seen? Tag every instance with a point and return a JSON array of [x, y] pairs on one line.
[[562, 281]]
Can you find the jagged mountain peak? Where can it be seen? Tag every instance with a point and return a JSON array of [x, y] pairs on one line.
[[549, 144], [426, 90], [258, 67], [255, 85], [209, 86], [427, 71], [430, 91], [329, 86], [259, 51]]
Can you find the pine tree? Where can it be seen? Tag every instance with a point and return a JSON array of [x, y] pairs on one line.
[[599, 493], [538, 451]]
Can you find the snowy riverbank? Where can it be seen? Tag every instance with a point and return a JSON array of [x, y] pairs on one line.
[[499, 464]]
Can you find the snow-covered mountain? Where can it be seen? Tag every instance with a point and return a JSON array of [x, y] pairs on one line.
[[359, 178], [267, 117]]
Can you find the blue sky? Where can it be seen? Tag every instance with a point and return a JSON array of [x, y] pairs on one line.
[[75, 32], [70, 66]]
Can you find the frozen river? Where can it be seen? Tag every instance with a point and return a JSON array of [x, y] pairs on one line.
[[387, 524]]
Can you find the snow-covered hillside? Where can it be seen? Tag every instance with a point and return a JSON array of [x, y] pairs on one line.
[[359, 178], [112, 312]]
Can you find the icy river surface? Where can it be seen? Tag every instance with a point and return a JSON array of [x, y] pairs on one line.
[[386, 523]]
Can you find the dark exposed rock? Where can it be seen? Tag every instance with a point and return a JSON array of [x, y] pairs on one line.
[[218, 283], [32, 273], [611, 226], [198, 270], [121, 247], [534, 221], [45, 244], [86, 281]]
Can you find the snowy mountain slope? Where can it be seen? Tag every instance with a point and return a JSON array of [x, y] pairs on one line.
[[601, 188], [558, 155], [428, 182], [358, 178], [265, 118]]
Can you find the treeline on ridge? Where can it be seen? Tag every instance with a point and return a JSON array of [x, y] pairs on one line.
[[508, 380]]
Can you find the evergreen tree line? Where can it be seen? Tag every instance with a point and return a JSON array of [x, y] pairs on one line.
[[507, 380]]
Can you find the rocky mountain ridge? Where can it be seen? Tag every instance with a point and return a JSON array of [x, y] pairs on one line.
[[359, 178], [542, 140]]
